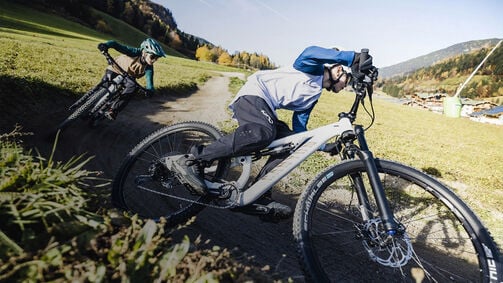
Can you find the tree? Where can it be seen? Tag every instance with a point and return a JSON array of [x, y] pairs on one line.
[[129, 13], [255, 61], [245, 58], [216, 51], [102, 26], [203, 53], [224, 59]]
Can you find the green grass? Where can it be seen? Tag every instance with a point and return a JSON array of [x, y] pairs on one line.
[[37, 46]]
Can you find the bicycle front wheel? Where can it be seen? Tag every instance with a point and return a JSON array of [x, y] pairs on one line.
[[145, 187], [444, 241], [83, 108]]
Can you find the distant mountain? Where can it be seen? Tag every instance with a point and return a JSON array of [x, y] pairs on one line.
[[165, 16], [435, 57]]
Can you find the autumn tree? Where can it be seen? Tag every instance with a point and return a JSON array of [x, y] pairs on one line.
[[224, 59], [203, 53], [216, 51]]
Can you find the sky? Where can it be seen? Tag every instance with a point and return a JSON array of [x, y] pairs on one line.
[[393, 30]]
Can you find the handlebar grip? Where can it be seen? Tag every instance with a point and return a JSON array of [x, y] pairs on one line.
[[364, 54]]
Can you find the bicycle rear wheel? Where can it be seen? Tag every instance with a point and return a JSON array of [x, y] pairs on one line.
[[444, 241], [145, 187]]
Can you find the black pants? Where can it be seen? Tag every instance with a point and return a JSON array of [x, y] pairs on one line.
[[258, 127]]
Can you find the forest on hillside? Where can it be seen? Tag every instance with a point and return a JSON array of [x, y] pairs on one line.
[[446, 76], [156, 21]]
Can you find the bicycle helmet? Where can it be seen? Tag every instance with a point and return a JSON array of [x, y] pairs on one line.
[[153, 47]]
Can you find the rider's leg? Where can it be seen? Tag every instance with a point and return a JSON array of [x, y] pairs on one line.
[[256, 130], [258, 127]]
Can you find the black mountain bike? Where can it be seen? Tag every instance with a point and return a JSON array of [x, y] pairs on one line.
[[94, 104], [363, 219]]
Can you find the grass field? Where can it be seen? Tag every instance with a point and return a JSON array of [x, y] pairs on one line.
[[36, 46], [468, 156]]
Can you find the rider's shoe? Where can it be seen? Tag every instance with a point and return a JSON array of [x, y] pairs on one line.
[[190, 173], [268, 209], [110, 114]]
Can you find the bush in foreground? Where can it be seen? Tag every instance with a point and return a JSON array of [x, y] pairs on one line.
[[49, 232]]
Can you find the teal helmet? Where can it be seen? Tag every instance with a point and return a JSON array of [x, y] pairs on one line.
[[151, 46]]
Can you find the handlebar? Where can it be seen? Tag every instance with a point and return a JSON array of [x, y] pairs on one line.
[[362, 84], [364, 55]]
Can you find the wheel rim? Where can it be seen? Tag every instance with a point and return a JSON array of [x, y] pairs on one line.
[[340, 242]]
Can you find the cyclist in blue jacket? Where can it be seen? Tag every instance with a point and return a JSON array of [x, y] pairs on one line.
[[297, 88], [138, 62]]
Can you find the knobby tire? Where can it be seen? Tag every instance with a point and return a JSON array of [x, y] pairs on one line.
[[83, 108], [449, 242]]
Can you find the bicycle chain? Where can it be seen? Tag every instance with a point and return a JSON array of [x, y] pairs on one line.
[[185, 199]]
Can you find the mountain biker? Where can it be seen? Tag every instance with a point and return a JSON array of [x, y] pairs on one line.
[[138, 62], [296, 88]]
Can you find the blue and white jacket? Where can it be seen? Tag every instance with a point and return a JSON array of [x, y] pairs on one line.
[[298, 87]]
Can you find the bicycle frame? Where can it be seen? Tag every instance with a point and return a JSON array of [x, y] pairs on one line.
[[303, 145]]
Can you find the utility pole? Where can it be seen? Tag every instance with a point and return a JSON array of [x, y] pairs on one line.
[[476, 69]]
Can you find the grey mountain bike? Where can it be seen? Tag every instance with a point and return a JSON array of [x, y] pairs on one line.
[[93, 105], [361, 220]]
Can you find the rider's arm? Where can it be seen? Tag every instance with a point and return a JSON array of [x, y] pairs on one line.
[[149, 78], [124, 49], [300, 119], [312, 59]]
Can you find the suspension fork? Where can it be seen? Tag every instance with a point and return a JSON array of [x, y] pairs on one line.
[[375, 182]]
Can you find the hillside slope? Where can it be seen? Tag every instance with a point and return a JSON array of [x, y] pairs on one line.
[[434, 57], [446, 77]]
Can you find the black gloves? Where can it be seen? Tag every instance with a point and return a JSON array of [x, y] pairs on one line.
[[358, 66], [103, 47], [359, 69]]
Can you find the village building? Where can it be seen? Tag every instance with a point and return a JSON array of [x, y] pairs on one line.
[[470, 106], [491, 116], [429, 101], [477, 110]]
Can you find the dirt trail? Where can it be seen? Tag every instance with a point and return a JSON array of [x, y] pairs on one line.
[[270, 245]]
